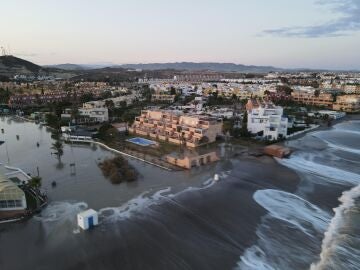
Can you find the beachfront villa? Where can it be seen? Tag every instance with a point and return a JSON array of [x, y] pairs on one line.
[[177, 128], [266, 119]]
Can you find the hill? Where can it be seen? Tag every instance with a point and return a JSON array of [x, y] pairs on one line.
[[11, 66], [180, 66], [67, 66], [206, 66]]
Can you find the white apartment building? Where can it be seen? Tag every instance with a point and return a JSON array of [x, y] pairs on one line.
[[266, 119], [95, 114], [93, 111]]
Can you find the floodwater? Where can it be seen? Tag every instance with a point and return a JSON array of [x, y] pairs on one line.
[[262, 214]]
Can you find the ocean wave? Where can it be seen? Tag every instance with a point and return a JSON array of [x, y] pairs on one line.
[[292, 209], [299, 162], [136, 204], [340, 246], [144, 201], [60, 211], [340, 146], [349, 126], [301, 220]]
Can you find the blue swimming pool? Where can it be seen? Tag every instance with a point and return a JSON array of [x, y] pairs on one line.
[[141, 141]]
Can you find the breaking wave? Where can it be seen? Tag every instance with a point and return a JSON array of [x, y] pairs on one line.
[[339, 146], [66, 211], [298, 162], [292, 209], [144, 201], [350, 127], [340, 246], [296, 219]]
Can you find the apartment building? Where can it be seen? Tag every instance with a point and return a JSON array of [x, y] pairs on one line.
[[92, 111], [266, 119], [347, 103], [177, 128], [323, 99], [163, 98]]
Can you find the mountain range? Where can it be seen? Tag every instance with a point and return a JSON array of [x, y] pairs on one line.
[[190, 66], [11, 65]]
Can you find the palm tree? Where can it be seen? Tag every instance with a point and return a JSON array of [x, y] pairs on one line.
[[58, 147]]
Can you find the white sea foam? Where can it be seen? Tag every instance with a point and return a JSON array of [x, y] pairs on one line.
[[333, 237], [144, 201], [299, 162], [65, 211], [293, 211], [348, 127], [136, 204], [60, 211], [341, 147]]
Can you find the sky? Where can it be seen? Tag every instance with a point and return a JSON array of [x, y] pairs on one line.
[[281, 33]]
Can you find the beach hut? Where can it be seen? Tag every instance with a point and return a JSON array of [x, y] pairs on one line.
[[87, 219]]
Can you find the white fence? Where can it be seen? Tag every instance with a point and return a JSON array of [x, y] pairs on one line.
[[302, 131]]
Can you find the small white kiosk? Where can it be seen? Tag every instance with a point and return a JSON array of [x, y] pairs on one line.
[[87, 219]]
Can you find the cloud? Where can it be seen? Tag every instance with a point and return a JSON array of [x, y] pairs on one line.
[[347, 13]]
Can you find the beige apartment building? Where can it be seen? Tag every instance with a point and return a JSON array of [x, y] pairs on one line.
[[310, 99], [177, 128], [347, 103]]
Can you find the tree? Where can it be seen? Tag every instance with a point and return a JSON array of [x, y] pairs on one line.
[[52, 120], [203, 140], [35, 182], [4, 95], [86, 97], [106, 94], [172, 90], [244, 130], [58, 147], [228, 126], [110, 104], [317, 93]]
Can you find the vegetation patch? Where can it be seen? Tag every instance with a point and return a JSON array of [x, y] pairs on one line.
[[118, 170]]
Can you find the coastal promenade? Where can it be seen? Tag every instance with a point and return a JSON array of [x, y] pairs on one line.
[[163, 166]]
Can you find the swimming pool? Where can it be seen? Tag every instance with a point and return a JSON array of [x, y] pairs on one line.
[[141, 141]]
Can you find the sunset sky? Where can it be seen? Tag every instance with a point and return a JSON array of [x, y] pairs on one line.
[[282, 33]]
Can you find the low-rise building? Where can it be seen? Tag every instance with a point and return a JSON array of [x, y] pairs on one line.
[[347, 103], [189, 160], [266, 119], [177, 128], [163, 98], [322, 99], [87, 114], [11, 196]]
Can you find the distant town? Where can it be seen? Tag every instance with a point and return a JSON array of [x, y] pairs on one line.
[[266, 107], [174, 121]]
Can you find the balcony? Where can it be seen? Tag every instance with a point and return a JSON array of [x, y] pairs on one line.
[[174, 140]]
